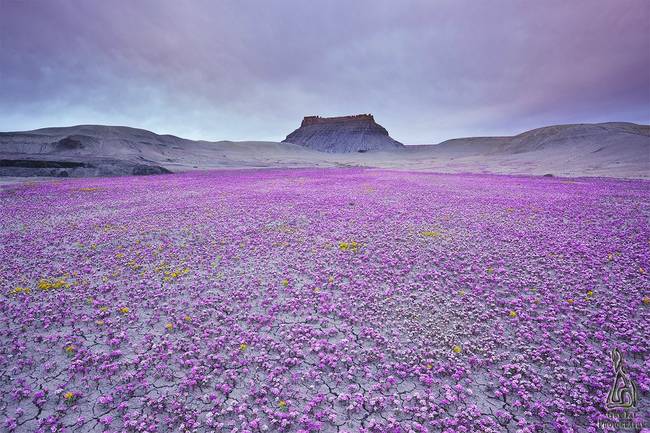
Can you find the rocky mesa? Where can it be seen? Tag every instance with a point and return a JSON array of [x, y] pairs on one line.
[[345, 134]]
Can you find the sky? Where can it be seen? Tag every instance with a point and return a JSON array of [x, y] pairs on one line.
[[428, 70]]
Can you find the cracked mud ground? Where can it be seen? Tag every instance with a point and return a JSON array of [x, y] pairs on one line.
[[321, 300]]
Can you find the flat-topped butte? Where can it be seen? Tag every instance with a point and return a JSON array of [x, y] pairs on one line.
[[344, 134]]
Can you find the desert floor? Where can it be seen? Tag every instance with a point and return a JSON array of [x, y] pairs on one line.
[[321, 300]]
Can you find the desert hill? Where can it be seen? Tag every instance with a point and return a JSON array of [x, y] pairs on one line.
[[358, 133], [605, 149]]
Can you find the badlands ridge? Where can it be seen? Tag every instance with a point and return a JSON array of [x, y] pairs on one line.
[[613, 149]]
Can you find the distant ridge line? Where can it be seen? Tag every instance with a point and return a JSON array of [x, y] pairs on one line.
[[316, 120]]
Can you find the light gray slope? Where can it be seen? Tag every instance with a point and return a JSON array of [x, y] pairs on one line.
[[98, 150], [85, 150], [91, 140], [607, 149]]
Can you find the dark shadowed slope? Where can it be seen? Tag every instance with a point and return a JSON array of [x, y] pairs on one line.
[[359, 133]]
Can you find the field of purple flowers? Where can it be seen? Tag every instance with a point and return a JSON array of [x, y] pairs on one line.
[[311, 300]]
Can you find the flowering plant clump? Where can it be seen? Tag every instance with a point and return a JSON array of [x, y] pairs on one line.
[[349, 246], [19, 290], [310, 300], [69, 397]]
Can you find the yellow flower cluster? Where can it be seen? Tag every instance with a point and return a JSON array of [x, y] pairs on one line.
[[19, 290], [243, 347], [349, 246], [457, 349], [430, 234], [124, 310], [170, 275], [134, 265], [169, 326], [47, 284], [513, 314]]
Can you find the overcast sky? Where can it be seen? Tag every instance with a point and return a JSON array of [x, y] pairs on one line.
[[250, 70]]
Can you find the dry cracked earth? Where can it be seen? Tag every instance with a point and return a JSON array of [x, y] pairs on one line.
[[335, 300]]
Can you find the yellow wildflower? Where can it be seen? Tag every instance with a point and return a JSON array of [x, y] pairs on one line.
[[348, 246], [124, 310], [243, 347], [457, 349], [282, 404], [169, 326], [513, 313], [17, 290], [590, 293], [570, 301], [99, 322], [285, 282], [489, 270], [69, 349], [68, 396], [646, 300], [187, 318]]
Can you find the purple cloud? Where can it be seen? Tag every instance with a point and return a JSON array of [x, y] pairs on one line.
[[246, 70]]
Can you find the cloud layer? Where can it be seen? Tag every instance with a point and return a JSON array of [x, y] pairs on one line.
[[428, 70]]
